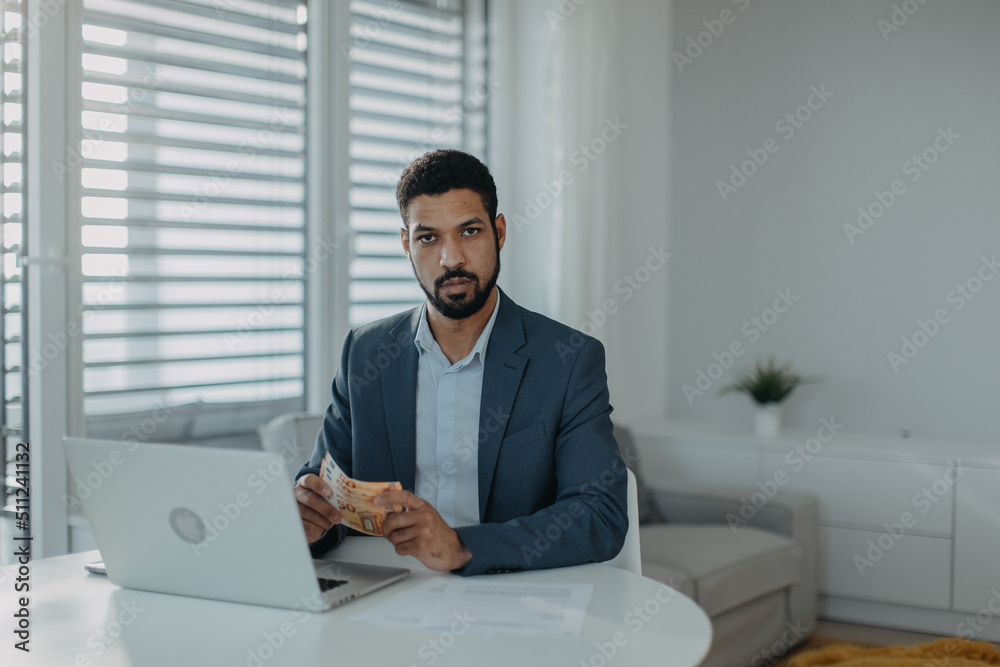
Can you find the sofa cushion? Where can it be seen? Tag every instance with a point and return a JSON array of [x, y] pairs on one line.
[[727, 568], [670, 576]]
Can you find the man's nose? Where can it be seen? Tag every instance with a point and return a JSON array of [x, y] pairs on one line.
[[452, 255]]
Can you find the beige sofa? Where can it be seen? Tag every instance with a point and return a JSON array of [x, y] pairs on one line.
[[755, 577]]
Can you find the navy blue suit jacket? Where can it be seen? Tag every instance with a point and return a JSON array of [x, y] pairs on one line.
[[552, 485]]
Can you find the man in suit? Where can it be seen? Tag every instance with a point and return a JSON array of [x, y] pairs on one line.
[[495, 419]]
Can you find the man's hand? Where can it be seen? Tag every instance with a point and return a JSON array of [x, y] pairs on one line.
[[318, 515], [421, 532]]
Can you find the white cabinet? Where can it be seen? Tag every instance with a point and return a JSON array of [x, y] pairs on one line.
[[878, 566], [873, 494], [977, 541], [909, 528]]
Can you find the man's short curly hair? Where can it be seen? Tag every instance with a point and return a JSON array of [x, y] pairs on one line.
[[438, 172]]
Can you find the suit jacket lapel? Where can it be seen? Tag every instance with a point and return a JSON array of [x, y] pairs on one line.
[[501, 378], [399, 401]]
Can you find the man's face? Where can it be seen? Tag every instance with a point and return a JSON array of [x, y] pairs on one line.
[[453, 250]]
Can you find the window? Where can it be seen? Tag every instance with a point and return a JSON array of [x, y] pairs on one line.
[[12, 249], [417, 84], [192, 214], [191, 147]]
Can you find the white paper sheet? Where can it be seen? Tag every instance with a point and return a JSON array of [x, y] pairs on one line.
[[477, 606]]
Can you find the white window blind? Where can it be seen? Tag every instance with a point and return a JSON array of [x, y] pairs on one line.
[[192, 210], [417, 75], [13, 378]]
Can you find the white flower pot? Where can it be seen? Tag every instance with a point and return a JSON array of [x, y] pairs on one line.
[[767, 421]]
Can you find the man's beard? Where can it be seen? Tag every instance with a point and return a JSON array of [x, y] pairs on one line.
[[457, 306]]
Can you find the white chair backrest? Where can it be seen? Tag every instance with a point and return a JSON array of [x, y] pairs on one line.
[[629, 558], [292, 436]]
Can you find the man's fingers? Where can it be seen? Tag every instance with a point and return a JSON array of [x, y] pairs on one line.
[[405, 498], [315, 484], [312, 516], [309, 499], [401, 535], [313, 532], [397, 520]]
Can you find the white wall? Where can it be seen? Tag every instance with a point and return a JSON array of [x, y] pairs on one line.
[[785, 227], [637, 349]]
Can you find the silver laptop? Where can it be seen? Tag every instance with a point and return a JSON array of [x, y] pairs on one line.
[[220, 524]]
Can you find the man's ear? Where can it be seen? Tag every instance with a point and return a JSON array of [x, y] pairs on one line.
[[404, 237], [501, 225]]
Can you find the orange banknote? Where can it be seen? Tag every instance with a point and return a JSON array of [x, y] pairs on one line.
[[356, 499]]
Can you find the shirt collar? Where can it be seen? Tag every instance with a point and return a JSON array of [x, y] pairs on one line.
[[424, 339]]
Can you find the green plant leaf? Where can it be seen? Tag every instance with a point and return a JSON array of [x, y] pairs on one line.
[[767, 382]]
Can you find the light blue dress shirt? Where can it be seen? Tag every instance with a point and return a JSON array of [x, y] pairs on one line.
[[448, 399]]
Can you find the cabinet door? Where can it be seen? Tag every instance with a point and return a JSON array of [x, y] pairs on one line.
[[862, 493], [977, 540], [872, 565]]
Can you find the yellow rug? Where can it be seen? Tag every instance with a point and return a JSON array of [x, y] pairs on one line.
[[948, 652]]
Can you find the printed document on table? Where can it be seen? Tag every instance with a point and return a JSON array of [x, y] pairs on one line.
[[482, 607]]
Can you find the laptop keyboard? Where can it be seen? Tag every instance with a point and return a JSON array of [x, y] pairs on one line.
[[329, 584]]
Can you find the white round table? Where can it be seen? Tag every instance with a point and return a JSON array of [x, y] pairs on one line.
[[84, 620]]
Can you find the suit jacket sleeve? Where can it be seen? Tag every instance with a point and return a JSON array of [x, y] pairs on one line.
[[588, 520], [334, 437]]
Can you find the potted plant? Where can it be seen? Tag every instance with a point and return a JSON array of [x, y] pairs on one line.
[[768, 384]]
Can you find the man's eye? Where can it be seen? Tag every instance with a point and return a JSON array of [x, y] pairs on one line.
[[471, 231], [427, 238]]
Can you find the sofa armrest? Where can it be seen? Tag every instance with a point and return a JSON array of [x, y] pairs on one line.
[[784, 513], [793, 515]]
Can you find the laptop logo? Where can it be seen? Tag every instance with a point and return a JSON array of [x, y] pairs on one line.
[[188, 525]]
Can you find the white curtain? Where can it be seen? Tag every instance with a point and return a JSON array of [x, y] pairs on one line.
[[584, 133], [554, 149]]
